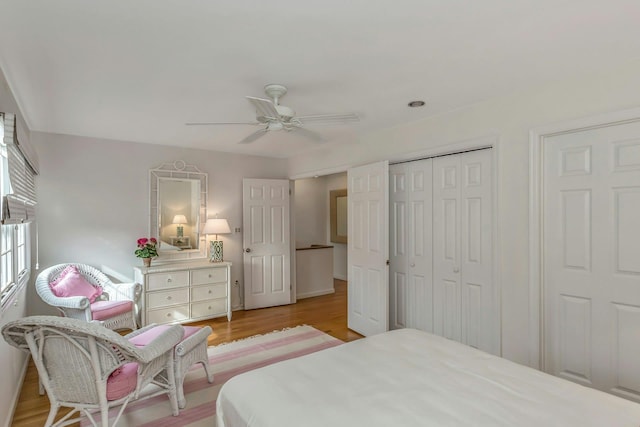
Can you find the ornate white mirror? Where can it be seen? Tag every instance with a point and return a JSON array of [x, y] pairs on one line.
[[178, 210]]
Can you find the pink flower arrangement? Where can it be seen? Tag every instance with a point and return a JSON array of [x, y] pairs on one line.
[[147, 248]]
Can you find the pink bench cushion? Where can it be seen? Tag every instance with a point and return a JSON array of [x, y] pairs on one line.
[[190, 330], [101, 310], [122, 381], [71, 283], [147, 336]]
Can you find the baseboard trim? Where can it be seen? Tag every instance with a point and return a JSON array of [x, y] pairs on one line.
[[16, 394], [315, 293], [340, 277]]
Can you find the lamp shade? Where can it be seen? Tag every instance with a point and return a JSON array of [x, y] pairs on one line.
[[179, 219], [216, 226]]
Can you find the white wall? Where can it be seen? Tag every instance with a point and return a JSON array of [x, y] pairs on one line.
[[12, 360], [93, 199], [310, 207], [509, 119]]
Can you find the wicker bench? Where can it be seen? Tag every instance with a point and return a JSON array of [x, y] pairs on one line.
[[190, 350]]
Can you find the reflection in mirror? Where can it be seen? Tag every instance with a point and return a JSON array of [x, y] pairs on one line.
[[178, 208], [179, 212], [338, 215]]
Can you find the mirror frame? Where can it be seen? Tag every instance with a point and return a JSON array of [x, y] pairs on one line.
[[177, 169], [333, 215]]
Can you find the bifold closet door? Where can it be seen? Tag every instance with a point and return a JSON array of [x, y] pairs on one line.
[[411, 285], [465, 305]]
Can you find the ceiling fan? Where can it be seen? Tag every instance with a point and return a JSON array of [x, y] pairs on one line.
[[271, 116]]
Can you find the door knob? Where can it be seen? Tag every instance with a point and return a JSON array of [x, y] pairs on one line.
[[247, 250]]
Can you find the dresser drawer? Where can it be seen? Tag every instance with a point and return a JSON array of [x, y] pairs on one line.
[[166, 298], [167, 280], [205, 292], [209, 308], [208, 275], [177, 313]]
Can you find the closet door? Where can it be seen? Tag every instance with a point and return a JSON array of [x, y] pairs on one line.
[[398, 250], [446, 246], [411, 284], [591, 253], [368, 248], [465, 301]]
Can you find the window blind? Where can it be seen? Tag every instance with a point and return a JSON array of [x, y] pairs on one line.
[[19, 205]]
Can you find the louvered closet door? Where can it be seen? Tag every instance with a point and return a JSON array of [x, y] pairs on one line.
[[411, 283], [465, 302], [591, 256]]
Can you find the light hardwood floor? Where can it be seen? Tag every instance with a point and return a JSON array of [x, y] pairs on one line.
[[327, 313]]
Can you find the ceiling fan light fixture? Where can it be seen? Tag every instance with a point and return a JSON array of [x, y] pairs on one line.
[[414, 104], [285, 113], [275, 126], [271, 115]]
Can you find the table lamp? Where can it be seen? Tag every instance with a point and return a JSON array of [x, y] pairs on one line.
[[179, 219], [216, 226]]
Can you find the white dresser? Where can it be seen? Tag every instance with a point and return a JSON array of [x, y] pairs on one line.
[[184, 292]]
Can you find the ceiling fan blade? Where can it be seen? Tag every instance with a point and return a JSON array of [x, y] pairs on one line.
[[329, 118], [221, 123], [255, 135], [264, 107], [311, 135]]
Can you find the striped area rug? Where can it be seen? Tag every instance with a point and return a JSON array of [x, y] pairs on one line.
[[227, 360]]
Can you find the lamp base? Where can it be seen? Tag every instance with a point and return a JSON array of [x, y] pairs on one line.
[[215, 253], [179, 231]]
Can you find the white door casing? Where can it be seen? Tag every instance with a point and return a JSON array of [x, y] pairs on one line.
[[368, 248], [465, 305], [590, 254], [410, 231], [266, 243]]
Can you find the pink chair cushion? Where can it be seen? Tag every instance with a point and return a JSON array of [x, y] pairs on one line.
[[101, 310], [147, 336], [122, 381], [71, 283]]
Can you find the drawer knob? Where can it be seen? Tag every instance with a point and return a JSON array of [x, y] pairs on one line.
[[209, 290], [168, 314], [209, 307], [169, 279], [169, 297], [209, 275]]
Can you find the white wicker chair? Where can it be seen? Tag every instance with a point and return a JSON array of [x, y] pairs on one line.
[[80, 307], [75, 359]]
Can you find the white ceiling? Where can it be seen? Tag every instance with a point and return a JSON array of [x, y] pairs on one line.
[[138, 70]]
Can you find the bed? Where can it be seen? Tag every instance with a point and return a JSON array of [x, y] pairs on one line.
[[411, 378]]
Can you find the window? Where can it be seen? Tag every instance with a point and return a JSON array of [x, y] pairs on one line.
[[15, 255]]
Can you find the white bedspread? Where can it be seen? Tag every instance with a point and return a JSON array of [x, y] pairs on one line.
[[411, 378]]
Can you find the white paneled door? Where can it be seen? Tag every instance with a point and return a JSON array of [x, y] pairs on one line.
[[591, 255], [266, 242], [465, 303], [410, 279], [368, 248]]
